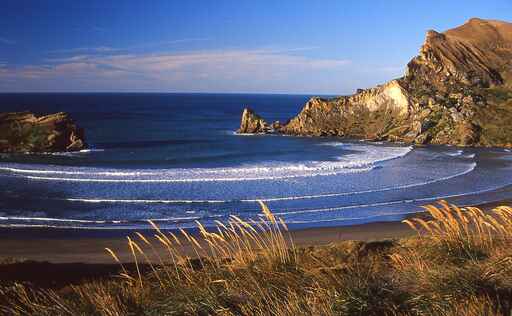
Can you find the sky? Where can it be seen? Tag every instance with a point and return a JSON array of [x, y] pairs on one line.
[[217, 46]]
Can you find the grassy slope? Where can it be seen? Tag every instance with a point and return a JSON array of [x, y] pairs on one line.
[[496, 117], [460, 264]]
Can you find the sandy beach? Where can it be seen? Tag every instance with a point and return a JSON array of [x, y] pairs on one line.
[[83, 246], [55, 258], [71, 246], [60, 257]]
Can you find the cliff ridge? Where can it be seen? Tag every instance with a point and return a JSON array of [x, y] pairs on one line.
[[457, 90]]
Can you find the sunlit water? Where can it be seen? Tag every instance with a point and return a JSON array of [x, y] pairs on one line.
[[174, 158]]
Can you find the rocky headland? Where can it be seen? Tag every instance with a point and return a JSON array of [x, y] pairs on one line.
[[457, 91], [22, 132]]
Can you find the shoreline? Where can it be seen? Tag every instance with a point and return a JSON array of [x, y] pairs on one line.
[[91, 249], [58, 262], [76, 246]]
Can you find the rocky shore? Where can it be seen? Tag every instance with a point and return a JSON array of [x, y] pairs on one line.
[[23, 132], [457, 91]]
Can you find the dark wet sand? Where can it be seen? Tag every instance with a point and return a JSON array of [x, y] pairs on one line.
[[72, 248]]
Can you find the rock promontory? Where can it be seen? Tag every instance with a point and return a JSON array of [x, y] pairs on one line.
[[26, 132], [458, 91], [252, 123]]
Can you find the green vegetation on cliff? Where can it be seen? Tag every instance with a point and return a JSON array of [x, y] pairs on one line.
[[495, 117], [24, 132], [456, 91]]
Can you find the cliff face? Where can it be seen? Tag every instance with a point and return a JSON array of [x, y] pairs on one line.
[[24, 132], [458, 90], [365, 115]]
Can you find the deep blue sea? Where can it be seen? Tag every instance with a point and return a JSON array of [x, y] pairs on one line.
[[175, 159]]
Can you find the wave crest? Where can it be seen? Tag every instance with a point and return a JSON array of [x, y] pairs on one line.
[[362, 158]]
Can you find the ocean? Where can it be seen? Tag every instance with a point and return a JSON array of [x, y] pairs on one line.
[[175, 159]]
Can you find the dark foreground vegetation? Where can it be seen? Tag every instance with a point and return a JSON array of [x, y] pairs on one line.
[[459, 264]]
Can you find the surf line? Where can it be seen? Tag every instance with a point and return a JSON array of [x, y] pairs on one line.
[[334, 168], [225, 215], [146, 201], [407, 201], [341, 170]]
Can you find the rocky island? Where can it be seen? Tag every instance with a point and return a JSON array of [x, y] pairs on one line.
[[25, 132], [457, 91]]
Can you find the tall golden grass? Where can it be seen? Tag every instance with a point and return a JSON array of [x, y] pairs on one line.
[[469, 231], [230, 246], [459, 264]]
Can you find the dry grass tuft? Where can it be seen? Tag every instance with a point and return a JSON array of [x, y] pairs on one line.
[[459, 264], [468, 232]]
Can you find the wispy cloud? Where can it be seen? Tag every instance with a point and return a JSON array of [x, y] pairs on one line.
[[217, 62], [183, 40], [110, 49], [296, 49], [99, 49], [202, 71], [6, 41]]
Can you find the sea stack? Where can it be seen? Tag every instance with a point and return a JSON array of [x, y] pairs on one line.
[[252, 123], [26, 132], [457, 91]]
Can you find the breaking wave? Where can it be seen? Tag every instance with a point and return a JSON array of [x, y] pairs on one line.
[[363, 159], [470, 168], [34, 221]]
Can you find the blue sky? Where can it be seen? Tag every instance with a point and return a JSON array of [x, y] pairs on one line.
[[309, 47]]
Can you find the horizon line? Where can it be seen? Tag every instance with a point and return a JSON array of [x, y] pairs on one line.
[[162, 92]]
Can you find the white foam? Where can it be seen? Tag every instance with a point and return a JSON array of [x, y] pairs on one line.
[[107, 173], [141, 201], [455, 154], [175, 219], [408, 201], [362, 158], [66, 227], [344, 219], [114, 221], [50, 219], [91, 150], [234, 179], [275, 199], [195, 218], [73, 153], [332, 144]]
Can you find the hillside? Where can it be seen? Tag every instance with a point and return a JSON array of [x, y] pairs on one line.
[[458, 91]]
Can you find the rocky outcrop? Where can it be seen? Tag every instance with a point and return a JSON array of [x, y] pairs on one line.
[[458, 90], [359, 115], [25, 132], [252, 123]]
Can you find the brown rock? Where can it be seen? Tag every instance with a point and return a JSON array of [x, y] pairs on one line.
[[364, 115], [276, 125], [454, 92], [252, 123], [24, 132]]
